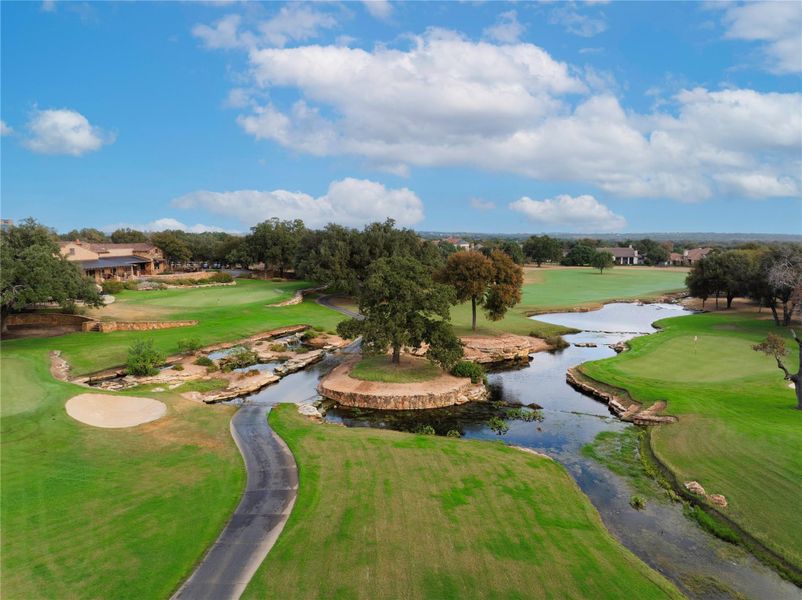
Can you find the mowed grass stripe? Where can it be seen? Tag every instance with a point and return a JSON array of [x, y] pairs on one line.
[[383, 514]]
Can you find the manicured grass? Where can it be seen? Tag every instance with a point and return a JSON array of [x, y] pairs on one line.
[[566, 288], [223, 314], [202, 385], [383, 514], [739, 433], [105, 513], [379, 368]]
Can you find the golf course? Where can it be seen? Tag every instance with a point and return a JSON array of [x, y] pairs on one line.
[[738, 432]]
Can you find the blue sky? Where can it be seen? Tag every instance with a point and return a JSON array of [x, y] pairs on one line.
[[489, 117]]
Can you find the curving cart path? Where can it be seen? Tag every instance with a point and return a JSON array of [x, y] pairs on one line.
[[269, 495]]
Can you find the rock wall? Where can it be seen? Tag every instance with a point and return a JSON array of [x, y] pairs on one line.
[[501, 349], [108, 326], [446, 390], [46, 320]]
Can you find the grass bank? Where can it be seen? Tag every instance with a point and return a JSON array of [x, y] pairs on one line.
[[379, 368], [105, 513], [568, 288], [738, 432], [397, 515], [223, 314]]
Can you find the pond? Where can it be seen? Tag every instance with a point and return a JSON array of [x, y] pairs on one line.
[[700, 564]]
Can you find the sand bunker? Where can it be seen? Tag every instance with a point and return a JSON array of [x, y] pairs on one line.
[[104, 410]]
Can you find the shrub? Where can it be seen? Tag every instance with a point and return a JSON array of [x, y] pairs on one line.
[[637, 502], [204, 361], [555, 341], [188, 345], [453, 433], [112, 287], [239, 359], [425, 430], [467, 368], [251, 372], [220, 277], [178, 367], [319, 328], [70, 307], [309, 335], [131, 284], [143, 358], [278, 348], [519, 414], [498, 425], [711, 524]]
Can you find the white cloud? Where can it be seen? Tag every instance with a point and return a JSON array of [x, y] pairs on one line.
[[349, 201], [507, 29], [575, 21], [581, 213], [64, 131], [479, 204], [777, 24], [759, 185], [380, 9], [162, 225], [5, 129], [292, 23]]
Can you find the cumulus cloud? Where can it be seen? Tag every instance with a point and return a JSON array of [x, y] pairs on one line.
[[164, 224], [380, 9], [576, 22], [449, 101], [64, 131], [5, 129], [349, 201], [582, 214], [292, 23], [507, 29], [777, 24]]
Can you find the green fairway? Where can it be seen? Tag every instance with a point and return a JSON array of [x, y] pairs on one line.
[[379, 368], [568, 288], [105, 513], [223, 314], [383, 514], [739, 433]]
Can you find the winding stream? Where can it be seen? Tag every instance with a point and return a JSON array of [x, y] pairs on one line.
[[701, 565]]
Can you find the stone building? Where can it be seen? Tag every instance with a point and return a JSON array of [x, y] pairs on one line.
[[623, 256], [107, 261]]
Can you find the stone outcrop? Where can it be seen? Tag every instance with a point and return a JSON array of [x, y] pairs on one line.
[[502, 349], [108, 326], [694, 487], [301, 361], [620, 405], [718, 500], [241, 385], [445, 390]]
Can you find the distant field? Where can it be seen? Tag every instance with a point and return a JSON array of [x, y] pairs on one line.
[[739, 433], [383, 514], [103, 513], [223, 314], [561, 288]]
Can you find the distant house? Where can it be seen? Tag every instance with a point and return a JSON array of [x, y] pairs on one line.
[[623, 256], [105, 262], [6, 224], [689, 257], [458, 243]]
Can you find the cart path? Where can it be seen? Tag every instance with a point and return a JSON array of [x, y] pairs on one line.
[[228, 566]]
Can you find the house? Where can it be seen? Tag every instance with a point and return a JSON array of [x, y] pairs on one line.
[[689, 257], [105, 261], [623, 256], [458, 243], [6, 224]]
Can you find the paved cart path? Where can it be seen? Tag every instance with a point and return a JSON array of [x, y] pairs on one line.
[[260, 516]]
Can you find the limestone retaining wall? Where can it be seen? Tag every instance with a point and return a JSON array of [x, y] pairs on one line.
[[108, 326], [62, 320]]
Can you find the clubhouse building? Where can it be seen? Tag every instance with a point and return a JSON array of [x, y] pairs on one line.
[[623, 256], [104, 262]]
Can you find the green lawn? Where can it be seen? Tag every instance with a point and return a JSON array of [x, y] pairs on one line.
[[379, 368], [223, 314], [104, 513], [383, 514], [566, 288], [739, 433]]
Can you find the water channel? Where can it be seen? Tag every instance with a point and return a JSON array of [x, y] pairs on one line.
[[701, 565]]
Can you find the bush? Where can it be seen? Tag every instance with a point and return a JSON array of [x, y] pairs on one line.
[[204, 361], [131, 284], [278, 348], [112, 287], [178, 367], [498, 425], [143, 358], [70, 307], [425, 430], [637, 502], [520, 414], [555, 341], [467, 368], [220, 277], [453, 433], [186, 346], [309, 335], [239, 359]]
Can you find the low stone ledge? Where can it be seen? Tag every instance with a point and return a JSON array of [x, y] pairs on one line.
[[502, 349], [109, 326], [445, 390]]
